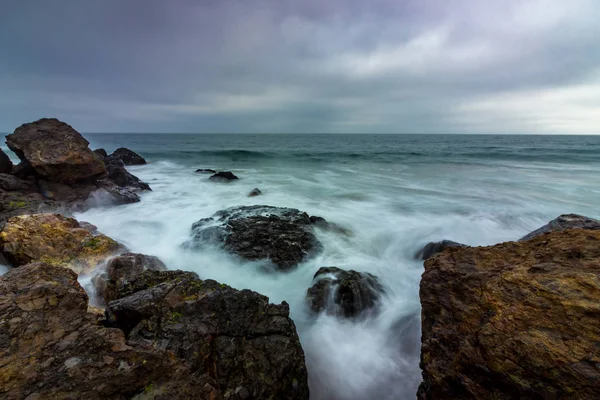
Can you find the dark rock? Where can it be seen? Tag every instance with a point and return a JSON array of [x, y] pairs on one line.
[[565, 221], [118, 174], [249, 346], [52, 347], [518, 320], [433, 248], [223, 177], [206, 171], [101, 153], [322, 223], [121, 271], [254, 192], [354, 293], [128, 157], [6, 165], [24, 170], [282, 235], [56, 151]]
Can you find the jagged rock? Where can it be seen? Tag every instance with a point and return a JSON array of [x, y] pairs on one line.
[[223, 177], [255, 192], [206, 171], [51, 347], [54, 239], [282, 235], [433, 248], [56, 151], [249, 346], [101, 153], [565, 221], [24, 170], [518, 320], [128, 157], [354, 293], [118, 174], [6, 165], [120, 271]]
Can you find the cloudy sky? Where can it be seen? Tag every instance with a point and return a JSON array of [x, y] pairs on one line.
[[376, 66]]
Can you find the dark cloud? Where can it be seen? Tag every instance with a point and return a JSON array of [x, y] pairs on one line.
[[311, 66]]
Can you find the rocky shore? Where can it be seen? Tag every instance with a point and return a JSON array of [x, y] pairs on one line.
[[517, 320]]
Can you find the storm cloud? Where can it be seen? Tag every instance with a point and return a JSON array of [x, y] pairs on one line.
[[378, 66]]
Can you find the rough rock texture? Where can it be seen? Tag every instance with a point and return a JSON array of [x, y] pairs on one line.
[[518, 320], [223, 177], [128, 157], [250, 347], [565, 221], [121, 270], [101, 153], [51, 347], [6, 166], [56, 240], [56, 151], [433, 248], [344, 293], [206, 171], [255, 192], [282, 235], [118, 174]]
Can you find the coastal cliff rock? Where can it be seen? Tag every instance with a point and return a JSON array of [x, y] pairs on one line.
[[517, 320], [6, 166], [353, 293], [565, 221], [250, 347], [56, 151], [128, 157], [56, 240], [433, 248], [51, 347], [282, 235]]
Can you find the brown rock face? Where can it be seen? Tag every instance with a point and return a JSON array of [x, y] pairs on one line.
[[517, 320], [56, 151], [51, 347], [56, 240]]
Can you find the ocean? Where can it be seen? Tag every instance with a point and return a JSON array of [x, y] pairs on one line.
[[394, 193]]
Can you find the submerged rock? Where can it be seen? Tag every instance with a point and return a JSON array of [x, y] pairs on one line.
[[223, 177], [52, 347], [56, 240], [344, 293], [128, 157], [249, 346], [255, 192], [433, 248], [518, 320], [565, 221], [6, 165], [56, 151], [282, 235], [206, 171]]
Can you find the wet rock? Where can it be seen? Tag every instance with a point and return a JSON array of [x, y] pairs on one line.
[[322, 223], [24, 170], [118, 174], [56, 151], [101, 153], [282, 235], [565, 221], [120, 271], [206, 171], [433, 248], [344, 293], [128, 157], [56, 240], [249, 346], [53, 348], [6, 165], [223, 177], [254, 192], [518, 320]]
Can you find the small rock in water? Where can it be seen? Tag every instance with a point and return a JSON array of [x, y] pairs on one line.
[[565, 221], [128, 157], [254, 192], [433, 248], [205, 171], [225, 176]]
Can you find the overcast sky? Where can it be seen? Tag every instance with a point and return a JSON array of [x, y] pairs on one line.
[[370, 66]]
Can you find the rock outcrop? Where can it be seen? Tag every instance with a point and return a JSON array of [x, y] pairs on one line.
[[56, 151], [51, 347], [565, 221], [348, 294], [433, 248], [128, 157], [6, 165], [250, 347], [518, 320], [118, 174], [223, 177], [282, 235], [56, 240]]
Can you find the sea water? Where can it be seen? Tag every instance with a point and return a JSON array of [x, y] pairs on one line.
[[393, 193]]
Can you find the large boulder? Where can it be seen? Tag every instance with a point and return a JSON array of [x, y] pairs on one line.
[[118, 174], [565, 221], [51, 347], [6, 165], [518, 320], [282, 235], [348, 294], [250, 347], [128, 157], [56, 240], [433, 248], [56, 151]]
